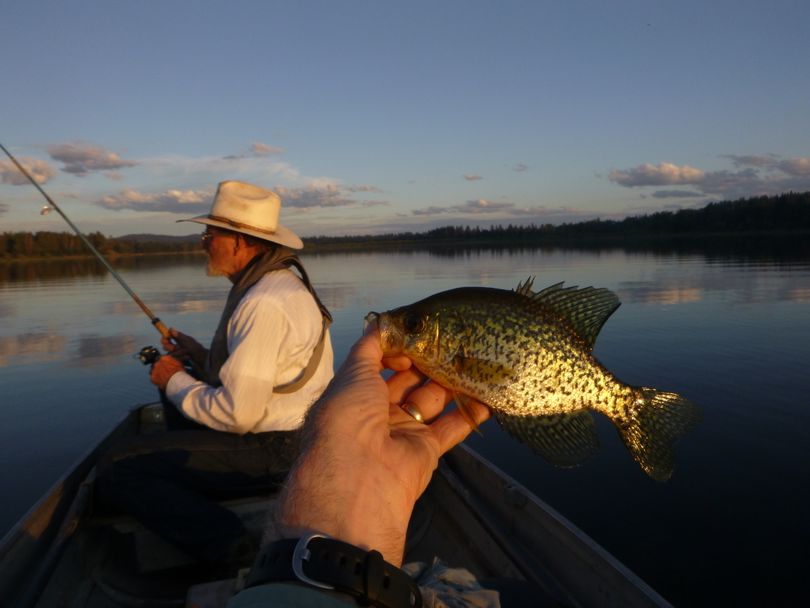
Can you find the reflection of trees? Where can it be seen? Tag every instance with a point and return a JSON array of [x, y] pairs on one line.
[[39, 346], [45, 270], [93, 349]]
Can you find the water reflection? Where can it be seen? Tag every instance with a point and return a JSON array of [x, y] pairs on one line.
[[750, 249], [95, 350], [59, 269], [26, 348]]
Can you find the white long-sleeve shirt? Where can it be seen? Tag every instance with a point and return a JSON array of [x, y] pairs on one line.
[[271, 336]]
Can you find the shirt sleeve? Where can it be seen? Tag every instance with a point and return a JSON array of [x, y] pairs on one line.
[[256, 333]]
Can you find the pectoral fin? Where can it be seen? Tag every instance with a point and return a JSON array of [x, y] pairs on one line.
[[464, 406]]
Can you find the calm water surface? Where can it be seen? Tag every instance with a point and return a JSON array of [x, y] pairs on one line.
[[730, 332]]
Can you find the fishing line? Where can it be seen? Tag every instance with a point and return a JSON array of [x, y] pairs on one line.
[[159, 325]]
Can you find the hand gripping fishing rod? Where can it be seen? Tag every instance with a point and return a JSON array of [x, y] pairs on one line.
[[159, 325]]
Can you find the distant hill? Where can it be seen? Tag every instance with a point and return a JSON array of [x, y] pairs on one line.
[[158, 238]]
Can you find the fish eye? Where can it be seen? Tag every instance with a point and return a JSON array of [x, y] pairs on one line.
[[411, 321]]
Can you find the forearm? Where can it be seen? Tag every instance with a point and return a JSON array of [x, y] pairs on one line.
[[214, 407], [354, 509]]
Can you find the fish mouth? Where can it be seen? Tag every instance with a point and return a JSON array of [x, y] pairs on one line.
[[390, 340], [372, 319]]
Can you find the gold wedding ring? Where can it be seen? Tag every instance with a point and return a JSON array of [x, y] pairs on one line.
[[410, 408]]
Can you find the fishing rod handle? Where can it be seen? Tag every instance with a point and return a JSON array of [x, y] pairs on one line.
[[161, 327]]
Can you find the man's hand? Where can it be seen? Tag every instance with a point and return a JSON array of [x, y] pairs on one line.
[[163, 369], [182, 346], [365, 460]]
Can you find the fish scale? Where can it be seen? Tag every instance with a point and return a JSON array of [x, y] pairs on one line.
[[528, 357]]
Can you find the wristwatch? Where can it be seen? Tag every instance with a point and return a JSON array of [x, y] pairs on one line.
[[326, 563]]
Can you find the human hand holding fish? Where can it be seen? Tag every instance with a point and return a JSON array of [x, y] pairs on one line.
[[365, 460], [528, 357]]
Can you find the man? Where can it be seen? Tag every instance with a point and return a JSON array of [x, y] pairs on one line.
[[269, 360]]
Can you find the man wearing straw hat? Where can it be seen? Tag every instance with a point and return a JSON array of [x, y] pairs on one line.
[[269, 360]]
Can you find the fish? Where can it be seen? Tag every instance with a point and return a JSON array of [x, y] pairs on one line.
[[528, 356]]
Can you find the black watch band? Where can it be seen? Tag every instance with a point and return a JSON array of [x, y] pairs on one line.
[[327, 563]]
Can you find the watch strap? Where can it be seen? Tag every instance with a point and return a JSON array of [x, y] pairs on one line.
[[328, 563]]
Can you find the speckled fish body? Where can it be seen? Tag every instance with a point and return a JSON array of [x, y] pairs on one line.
[[528, 357]]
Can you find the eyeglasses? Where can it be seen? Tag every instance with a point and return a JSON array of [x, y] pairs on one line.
[[206, 236]]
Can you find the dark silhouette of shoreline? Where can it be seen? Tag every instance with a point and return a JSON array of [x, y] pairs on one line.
[[780, 222]]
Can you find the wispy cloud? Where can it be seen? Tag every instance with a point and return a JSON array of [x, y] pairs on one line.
[[498, 211], [260, 149], [663, 174], [520, 167], [472, 177], [362, 188], [675, 194], [171, 201], [82, 158], [40, 170], [795, 166], [752, 160], [753, 175], [316, 195], [257, 150], [3, 208]]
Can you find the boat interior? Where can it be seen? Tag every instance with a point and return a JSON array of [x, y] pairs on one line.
[[67, 553]]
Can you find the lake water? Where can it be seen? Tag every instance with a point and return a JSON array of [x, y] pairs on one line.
[[731, 331]]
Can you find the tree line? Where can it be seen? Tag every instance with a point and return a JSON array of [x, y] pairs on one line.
[[66, 244], [783, 213], [788, 212]]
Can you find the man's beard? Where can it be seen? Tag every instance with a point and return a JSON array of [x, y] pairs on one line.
[[212, 270]]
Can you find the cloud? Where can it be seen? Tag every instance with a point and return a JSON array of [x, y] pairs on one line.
[[675, 194], [520, 167], [795, 166], [170, 201], [260, 149], [484, 206], [256, 150], [752, 160], [362, 188], [756, 175], [663, 174], [472, 177], [81, 158], [40, 170], [3, 208], [316, 195], [498, 211]]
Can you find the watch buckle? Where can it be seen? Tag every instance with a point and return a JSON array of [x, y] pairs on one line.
[[302, 553]]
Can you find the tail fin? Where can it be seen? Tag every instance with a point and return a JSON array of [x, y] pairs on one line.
[[651, 426]]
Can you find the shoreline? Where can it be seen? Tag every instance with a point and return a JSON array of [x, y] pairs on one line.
[[692, 241]]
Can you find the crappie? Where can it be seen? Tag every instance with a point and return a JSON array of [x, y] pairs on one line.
[[528, 357]]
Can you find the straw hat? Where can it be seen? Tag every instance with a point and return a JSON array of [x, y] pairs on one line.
[[245, 208]]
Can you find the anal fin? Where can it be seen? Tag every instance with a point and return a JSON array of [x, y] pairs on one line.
[[564, 440]]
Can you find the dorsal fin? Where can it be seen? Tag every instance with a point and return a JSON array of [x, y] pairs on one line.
[[585, 310]]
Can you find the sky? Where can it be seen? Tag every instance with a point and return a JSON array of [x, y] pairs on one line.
[[370, 117]]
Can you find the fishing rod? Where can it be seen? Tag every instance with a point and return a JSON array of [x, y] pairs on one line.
[[159, 325]]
